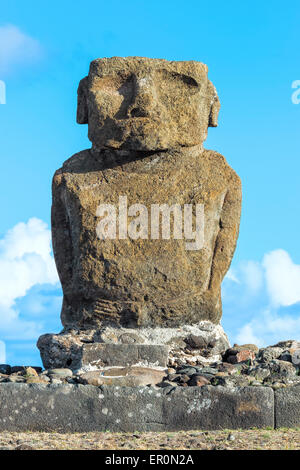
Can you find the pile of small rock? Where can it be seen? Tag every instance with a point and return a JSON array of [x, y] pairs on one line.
[[32, 375], [132, 376], [197, 350], [246, 365], [274, 366]]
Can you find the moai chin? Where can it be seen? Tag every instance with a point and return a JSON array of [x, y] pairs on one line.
[[147, 120]]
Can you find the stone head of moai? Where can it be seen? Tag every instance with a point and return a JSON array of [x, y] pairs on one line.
[[146, 104]]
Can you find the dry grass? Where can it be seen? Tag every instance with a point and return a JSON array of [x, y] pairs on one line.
[[282, 439]]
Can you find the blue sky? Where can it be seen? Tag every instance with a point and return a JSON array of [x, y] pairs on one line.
[[252, 52]]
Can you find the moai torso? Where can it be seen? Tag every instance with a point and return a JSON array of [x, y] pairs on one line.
[[147, 121]]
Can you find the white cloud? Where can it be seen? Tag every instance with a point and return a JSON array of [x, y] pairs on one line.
[[253, 275], [250, 273], [282, 277], [2, 353], [25, 261], [246, 336], [261, 300], [232, 276], [16, 48], [270, 327]]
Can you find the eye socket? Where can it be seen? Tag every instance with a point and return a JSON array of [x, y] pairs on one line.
[[114, 82], [190, 81], [182, 78]]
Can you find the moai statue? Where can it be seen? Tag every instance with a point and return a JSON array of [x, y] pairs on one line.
[[144, 223]]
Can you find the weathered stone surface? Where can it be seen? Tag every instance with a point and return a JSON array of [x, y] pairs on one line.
[[167, 384], [138, 103], [16, 379], [124, 354], [36, 380], [242, 347], [147, 121], [5, 369], [21, 369], [250, 349], [66, 349], [60, 351], [57, 351], [232, 381], [199, 381], [143, 282], [198, 342], [287, 407], [30, 371], [282, 367], [270, 353], [259, 372], [241, 356], [209, 335], [61, 372], [228, 368], [82, 408], [125, 377], [291, 343], [286, 356]]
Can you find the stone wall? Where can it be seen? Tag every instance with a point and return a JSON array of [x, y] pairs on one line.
[[83, 408]]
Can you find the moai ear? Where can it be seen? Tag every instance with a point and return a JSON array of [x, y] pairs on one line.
[[82, 109], [214, 107]]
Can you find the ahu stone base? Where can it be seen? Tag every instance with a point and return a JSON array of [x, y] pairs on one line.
[[82, 408], [78, 349]]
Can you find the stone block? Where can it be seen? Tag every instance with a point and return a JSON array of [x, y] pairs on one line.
[[83, 408], [287, 407]]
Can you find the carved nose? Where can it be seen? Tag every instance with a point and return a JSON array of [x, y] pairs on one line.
[[142, 103]]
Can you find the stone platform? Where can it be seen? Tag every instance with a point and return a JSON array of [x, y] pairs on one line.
[[248, 388], [83, 408]]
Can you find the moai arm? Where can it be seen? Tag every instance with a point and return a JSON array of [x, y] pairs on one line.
[[61, 236], [226, 240], [61, 233], [228, 234]]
